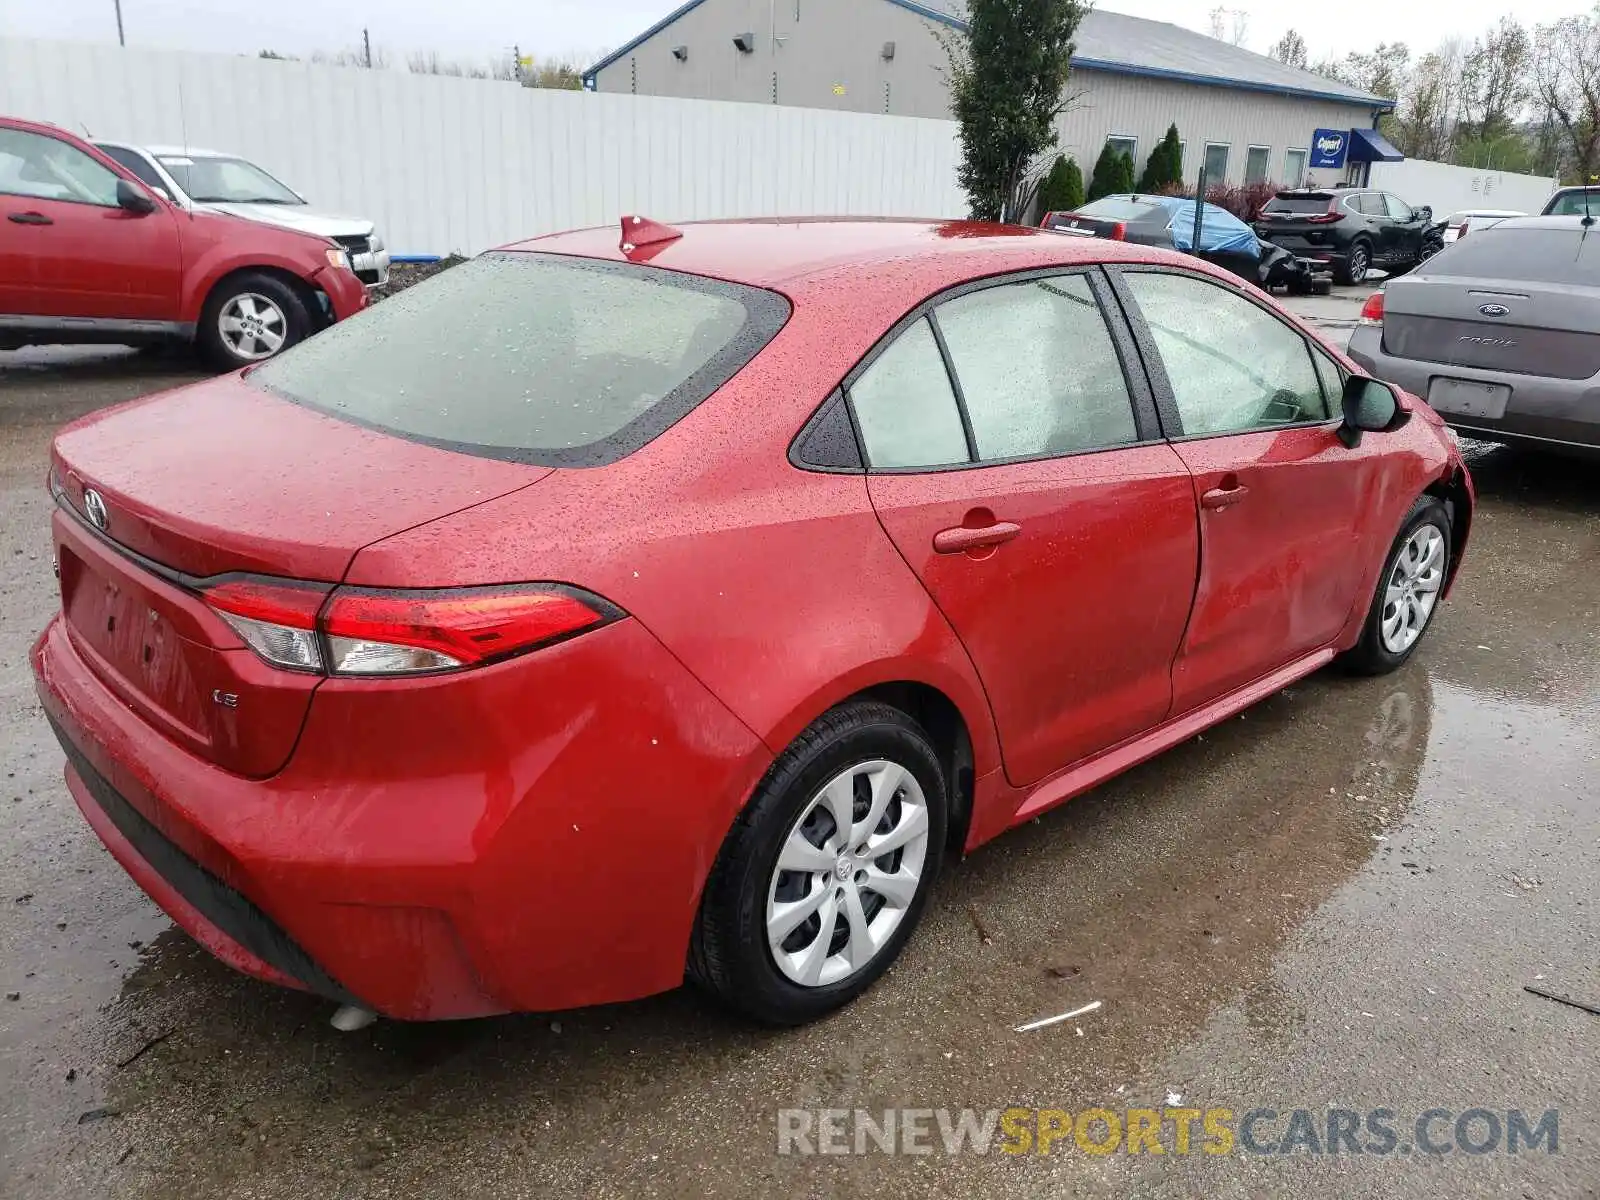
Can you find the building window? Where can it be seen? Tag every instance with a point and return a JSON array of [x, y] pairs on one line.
[[1257, 162], [1123, 144], [1216, 162], [1294, 168]]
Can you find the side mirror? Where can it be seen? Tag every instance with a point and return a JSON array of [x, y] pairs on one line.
[[1369, 407], [1425, 213], [132, 199]]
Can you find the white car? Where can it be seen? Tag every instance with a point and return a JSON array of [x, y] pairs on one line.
[[1459, 224], [225, 183]]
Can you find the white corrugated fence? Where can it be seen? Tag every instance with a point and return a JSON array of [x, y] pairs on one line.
[[445, 164]]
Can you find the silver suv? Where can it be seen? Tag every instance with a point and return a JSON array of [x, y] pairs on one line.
[[226, 183], [1500, 331]]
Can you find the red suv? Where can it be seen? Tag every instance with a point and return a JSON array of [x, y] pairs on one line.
[[670, 603], [88, 254]]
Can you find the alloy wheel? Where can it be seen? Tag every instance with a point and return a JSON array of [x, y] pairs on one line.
[[252, 326], [1412, 591], [847, 873], [1359, 265]]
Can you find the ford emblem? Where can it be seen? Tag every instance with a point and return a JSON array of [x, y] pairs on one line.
[[1494, 310], [95, 506]]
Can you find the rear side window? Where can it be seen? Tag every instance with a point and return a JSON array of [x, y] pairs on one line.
[[906, 407], [1571, 204], [1038, 370], [533, 357], [1538, 255]]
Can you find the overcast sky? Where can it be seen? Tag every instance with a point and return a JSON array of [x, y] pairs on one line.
[[474, 28]]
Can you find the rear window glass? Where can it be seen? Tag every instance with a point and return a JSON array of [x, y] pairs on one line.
[[532, 357], [1567, 256], [1298, 204], [1571, 204], [1118, 208]]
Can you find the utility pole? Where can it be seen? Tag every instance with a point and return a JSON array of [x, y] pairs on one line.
[[366, 46], [121, 40]]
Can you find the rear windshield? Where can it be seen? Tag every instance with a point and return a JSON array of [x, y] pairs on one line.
[[1118, 208], [1298, 204], [1566, 256], [532, 357], [1571, 204]]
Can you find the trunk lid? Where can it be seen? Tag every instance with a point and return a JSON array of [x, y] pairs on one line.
[[1526, 328], [210, 480]]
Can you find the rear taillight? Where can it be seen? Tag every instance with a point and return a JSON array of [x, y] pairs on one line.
[[1327, 218], [1372, 310], [277, 620], [362, 631], [1463, 229], [1119, 231]]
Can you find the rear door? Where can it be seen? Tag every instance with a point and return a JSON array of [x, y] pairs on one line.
[[81, 254], [1252, 406], [1016, 463], [1406, 229]]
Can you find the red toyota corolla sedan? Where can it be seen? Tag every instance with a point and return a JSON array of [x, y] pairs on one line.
[[604, 612]]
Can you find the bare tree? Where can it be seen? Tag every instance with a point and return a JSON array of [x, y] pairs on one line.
[[1494, 84], [1290, 50], [1430, 104], [1566, 85], [1230, 25]]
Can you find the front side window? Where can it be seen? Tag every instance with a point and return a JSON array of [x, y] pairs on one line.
[[1038, 369], [906, 407], [47, 168], [1397, 208], [137, 163], [532, 357], [1232, 366]]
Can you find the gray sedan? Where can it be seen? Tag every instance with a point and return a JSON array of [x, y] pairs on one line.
[[1500, 331]]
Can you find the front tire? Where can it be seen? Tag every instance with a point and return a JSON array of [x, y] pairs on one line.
[[1407, 597], [249, 318], [827, 872]]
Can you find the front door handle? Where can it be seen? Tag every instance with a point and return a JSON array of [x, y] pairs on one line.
[[1224, 497], [30, 218], [961, 539]]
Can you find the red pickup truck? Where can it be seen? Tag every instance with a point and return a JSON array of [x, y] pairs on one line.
[[90, 254]]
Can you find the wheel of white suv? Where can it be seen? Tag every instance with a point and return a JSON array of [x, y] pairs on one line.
[[827, 872]]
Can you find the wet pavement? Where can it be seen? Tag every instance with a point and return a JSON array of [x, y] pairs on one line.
[[1332, 901]]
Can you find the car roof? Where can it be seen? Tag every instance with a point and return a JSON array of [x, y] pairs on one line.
[[187, 152], [1573, 222], [896, 259]]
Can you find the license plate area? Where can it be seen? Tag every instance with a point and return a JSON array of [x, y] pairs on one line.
[[1468, 398]]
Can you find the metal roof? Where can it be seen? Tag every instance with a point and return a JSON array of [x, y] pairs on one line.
[[1123, 45]]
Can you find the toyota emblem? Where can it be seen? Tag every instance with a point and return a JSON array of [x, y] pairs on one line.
[[95, 506], [1494, 310]]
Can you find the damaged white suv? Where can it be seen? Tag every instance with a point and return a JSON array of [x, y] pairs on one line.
[[220, 182]]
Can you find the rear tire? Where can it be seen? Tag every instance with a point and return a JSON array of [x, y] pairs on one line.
[[1356, 265], [877, 762], [249, 318], [1408, 592]]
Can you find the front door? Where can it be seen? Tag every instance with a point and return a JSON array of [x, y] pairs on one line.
[[1027, 488], [85, 256], [1254, 408]]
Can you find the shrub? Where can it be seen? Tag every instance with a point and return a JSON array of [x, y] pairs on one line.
[[1165, 165], [1062, 189]]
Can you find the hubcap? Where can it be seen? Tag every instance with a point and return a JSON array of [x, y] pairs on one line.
[[252, 326], [847, 873], [1412, 591]]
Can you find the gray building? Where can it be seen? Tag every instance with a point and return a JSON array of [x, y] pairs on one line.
[[1248, 117]]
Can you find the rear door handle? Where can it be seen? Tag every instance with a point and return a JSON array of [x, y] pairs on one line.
[[1224, 497], [30, 218], [961, 539]]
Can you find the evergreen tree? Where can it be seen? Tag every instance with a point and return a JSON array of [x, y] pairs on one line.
[[1107, 174], [1062, 189], [1165, 165]]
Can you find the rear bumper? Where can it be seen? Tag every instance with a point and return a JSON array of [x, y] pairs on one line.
[[532, 837], [1560, 414]]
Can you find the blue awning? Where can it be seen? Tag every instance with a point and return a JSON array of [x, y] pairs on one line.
[[1368, 145]]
